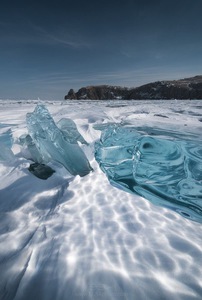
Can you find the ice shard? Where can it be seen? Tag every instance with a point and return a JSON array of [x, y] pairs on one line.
[[27, 142], [165, 168], [6, 153], [53, 144], [7, 138], [6, 141], [70, 131]]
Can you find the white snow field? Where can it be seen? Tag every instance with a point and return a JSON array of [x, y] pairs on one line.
[[72, 238]]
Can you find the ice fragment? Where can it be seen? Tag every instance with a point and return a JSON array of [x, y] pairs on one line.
[[54, 144]]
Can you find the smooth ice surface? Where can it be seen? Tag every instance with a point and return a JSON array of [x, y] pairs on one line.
[[5, 153], [70, 131], [6, 140], [54, 144], [27, 142], [79, 238], [167, 171]]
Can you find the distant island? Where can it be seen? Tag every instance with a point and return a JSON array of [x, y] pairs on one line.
[[188, 88]]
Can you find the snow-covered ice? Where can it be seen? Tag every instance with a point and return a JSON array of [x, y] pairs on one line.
[[72, 237]]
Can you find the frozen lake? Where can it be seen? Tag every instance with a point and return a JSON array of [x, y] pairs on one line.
[[72, 237]]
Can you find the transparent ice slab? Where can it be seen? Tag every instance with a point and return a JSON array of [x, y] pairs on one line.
[[70, 131], [6, 138], [6, 141], [53, 144], [164, 167]]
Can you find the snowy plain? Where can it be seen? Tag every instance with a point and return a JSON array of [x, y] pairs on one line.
[[72, 238]]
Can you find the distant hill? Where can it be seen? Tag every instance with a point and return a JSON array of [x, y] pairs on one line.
[[99, 92], [188, 88]]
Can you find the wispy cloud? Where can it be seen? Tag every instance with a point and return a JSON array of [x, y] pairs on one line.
[[59, 37], [31, 33]]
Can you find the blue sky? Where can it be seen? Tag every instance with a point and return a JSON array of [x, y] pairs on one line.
[[48, 47]]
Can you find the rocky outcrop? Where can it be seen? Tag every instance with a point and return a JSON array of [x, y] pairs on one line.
[[100, 92], [188, 88], [71, 95]]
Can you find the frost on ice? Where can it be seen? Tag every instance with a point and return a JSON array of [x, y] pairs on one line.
[[165, 167], [47, 142]]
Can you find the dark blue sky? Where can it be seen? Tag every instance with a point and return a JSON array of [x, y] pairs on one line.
[[48, 47]]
